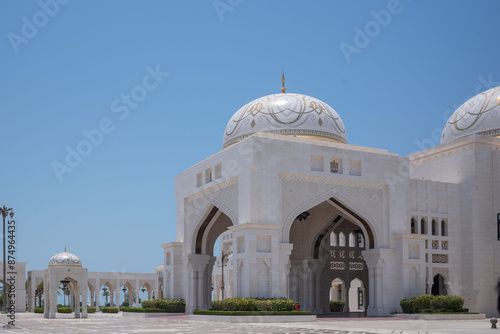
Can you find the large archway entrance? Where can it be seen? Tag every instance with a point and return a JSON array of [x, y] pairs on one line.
[[327, 261], [201, 262]]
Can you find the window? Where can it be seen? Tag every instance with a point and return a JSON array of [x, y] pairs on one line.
[[434, 227], [218, 171], [360, 298], [341, 239], [208, 175], [333, 239], [352, 243], [413, 226], [423, 226], [498, 226], [444, 228], [199, 180], [361, 241]]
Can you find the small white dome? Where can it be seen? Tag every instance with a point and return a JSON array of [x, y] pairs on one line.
[[289, 114], [478, 115], [65, 259]]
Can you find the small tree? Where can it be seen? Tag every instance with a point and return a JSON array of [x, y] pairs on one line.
[[39, 293], [106, 294]]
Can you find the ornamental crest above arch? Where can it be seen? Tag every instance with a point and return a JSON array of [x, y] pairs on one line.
[[224, 194]]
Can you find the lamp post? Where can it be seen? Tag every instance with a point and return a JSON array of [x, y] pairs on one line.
[[5, 213], [65, 283], [124, 291], [224, 258]]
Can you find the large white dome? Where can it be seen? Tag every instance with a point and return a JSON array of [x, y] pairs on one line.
[[290, 114], [478, 115], [65, 259]]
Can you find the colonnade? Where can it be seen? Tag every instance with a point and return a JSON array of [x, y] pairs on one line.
[[112, 282]]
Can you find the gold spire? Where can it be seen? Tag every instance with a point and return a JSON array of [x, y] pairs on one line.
[[64, 249], [283, 89]]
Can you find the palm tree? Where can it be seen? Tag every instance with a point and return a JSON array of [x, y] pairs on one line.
[[106, 294], [66, 292], [39, 293]]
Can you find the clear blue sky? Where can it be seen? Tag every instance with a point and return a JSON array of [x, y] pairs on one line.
[[64, 70]]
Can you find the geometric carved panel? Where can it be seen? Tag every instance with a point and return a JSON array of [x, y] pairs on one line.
[[414, 251], [356, 266], [263, 243], [337, 265], [439, 258]]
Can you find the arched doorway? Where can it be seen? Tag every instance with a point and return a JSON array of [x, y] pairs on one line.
[[328, 241], [439, 286], [202, 259]]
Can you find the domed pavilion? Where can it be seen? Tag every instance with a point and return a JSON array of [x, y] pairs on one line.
[[65, 269]]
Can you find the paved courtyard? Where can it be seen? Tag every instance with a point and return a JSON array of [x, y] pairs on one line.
[[115, 323]]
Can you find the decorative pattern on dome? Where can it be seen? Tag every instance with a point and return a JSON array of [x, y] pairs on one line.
[[285, 114], [65, 259], [477, 115]]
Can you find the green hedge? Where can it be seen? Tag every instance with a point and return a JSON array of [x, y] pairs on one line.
[[248, 313], [432, 304], [109, 309], [89, 309], [337, 306], [253, 304], [169, 305], [142, 310], [64, 310]]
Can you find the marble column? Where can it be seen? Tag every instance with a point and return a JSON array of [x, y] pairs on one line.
[[77, 298], [137, 291]]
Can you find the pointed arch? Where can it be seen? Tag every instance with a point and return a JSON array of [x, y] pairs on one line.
[[212, 211], [344, 203]]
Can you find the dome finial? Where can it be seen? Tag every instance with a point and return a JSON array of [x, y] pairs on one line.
[[64, 249], [283, 89]]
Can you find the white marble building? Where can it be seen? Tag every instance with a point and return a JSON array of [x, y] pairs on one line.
[[302, 211]]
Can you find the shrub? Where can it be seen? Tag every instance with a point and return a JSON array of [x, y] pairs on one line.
[[109, 309], [38, 309], [142, 310], [250, 313], [432, 304], [253, 304], [406, 305], [438, 303], [169, 305], [337, 306], [274, 304], [454, 303], [421, 302], [64, 310], [234, 304], [89, 309]]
